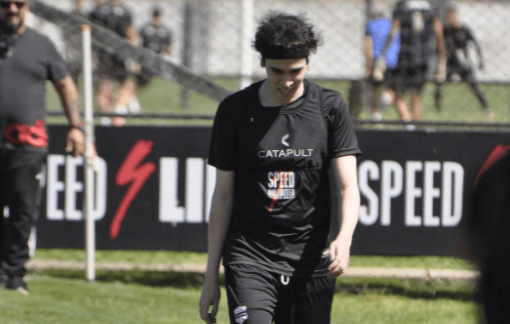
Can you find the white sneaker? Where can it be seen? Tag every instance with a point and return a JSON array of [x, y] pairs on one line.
[[134, 106], [384, 100], [105, 121]]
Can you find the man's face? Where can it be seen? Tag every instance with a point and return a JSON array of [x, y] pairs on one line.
[[285, 78], [453, 18], [13, 15]]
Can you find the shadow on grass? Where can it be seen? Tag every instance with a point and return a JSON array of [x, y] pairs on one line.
[[460, 290], [182, 280]]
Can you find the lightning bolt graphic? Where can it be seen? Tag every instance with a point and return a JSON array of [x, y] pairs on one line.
[[131, 172]]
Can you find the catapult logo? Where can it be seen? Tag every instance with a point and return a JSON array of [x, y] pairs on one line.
[[284, 140], [285, 153]]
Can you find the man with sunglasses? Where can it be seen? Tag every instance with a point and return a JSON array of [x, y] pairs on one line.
[[27, 60]]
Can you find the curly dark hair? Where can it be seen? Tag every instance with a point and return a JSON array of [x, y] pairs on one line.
[[281, 36]]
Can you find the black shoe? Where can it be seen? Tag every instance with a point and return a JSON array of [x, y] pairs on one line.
[[3, 279], [17, 283]]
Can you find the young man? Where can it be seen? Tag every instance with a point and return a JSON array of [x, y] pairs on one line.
[[27, 60], [377, 31], [457, 38], [418, 22], [273, 145]]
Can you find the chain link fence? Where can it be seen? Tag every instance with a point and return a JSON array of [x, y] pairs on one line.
[[211, 52]]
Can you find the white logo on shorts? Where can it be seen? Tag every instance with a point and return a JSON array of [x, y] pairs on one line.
[[241, 313]]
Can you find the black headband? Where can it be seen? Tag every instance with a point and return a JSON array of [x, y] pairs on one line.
[[279, 52]]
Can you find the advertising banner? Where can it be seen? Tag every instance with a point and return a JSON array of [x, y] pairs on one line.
[[153, 190]]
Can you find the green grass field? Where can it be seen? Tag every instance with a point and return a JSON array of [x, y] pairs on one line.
[[64, 296], [459, 103]]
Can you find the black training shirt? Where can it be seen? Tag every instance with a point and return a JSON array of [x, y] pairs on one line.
[[416, 31], [281, 157]]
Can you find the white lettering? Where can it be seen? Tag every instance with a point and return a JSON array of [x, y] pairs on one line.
[[451, 216], [368, 170], [391, 187], [412, 192], [194, 190], [71, 188], [169, 211], [54, 187], [430, 193]]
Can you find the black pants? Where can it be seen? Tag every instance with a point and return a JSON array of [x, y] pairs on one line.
[[256, 296], [20, 191]]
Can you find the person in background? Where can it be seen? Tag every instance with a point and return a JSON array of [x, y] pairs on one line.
[[158, 38], [419, 23], [457, 39], [273, 145], [27, 60], [110, 67], [376, 33]]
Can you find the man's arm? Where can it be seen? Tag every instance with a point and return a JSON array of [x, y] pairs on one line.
[[219, 221], [395, 27], [439, 35], [368, 56], [70, 101], [346, 179], [440, 48], [478, 49]]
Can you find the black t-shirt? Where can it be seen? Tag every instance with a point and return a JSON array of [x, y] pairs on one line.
[[281, 157], [416, 30], [101, 15], [34, 60], [156, 38], [456, 39], [488, 221], [120, 19]]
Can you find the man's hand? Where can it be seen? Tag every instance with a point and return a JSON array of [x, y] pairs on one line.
[[379, 69], [210, 299], [75, 142], [339, 255], [441, 71]]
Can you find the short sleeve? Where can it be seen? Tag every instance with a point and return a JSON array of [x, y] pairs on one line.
[[223, 150], [342, 138], [56, 65]]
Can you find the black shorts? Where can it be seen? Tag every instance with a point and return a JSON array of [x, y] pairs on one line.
[[465, 73], [405, 79], [256, 296], [144, 77], [110, 66]]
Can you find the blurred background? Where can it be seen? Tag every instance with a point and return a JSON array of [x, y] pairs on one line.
[[211, 39]]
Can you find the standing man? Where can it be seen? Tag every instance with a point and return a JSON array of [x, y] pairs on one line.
[[418, 22], [158, 38], [273, 146], [376, 34], [457, 38], [27, 60], [113, 69]]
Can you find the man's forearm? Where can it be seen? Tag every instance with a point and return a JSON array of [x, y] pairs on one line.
[[350, 202], [70, 99]]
